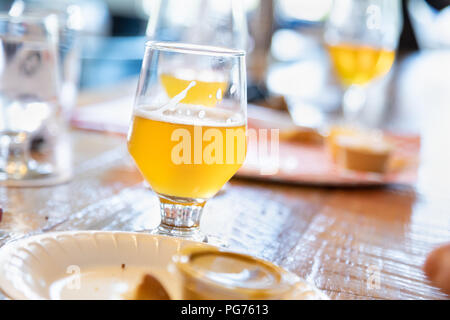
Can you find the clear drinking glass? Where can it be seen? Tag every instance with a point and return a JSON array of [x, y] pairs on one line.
[[70, 22], [361, 37], [29, 90], [219, 23], [188, 132]]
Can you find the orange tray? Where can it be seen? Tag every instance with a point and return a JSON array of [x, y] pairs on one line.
[[303, 163]]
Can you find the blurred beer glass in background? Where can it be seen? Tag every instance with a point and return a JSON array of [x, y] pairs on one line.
[[188, 133], [70, 23], [219, 23], [361, 37], [29, 90]]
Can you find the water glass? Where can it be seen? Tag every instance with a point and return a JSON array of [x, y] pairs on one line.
[[29, 90]]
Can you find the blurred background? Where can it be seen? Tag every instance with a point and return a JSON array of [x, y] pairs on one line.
[[288, 65]]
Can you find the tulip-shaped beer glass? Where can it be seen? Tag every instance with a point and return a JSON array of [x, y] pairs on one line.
[[188, 131]]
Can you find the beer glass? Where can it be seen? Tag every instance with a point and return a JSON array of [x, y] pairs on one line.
[[188, 131], [361, 37], [220, 23], [29, 90]]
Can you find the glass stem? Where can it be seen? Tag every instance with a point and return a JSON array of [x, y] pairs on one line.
[[353, 102], [180, 220], [16, 151]]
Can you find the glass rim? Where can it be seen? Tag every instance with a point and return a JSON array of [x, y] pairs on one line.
[[206, 50]]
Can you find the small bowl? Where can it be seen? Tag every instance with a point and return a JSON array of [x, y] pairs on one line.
[[216, 274]]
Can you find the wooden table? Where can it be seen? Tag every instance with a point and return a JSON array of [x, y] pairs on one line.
[[352, 243]]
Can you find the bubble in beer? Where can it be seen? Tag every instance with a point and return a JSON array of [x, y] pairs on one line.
[[219, 94]]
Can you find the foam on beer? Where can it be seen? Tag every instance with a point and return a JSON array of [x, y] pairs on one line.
[[192, 115]]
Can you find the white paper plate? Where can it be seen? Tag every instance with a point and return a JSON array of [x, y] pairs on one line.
[[93, 265]]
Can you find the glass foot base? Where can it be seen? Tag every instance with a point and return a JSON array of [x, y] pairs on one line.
[[34, 170], [197, 236], [194, 234], [216, 241]]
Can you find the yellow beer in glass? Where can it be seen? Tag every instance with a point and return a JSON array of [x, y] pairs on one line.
[[361, 37], [154, 144], [360, 64], [207, 91]]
